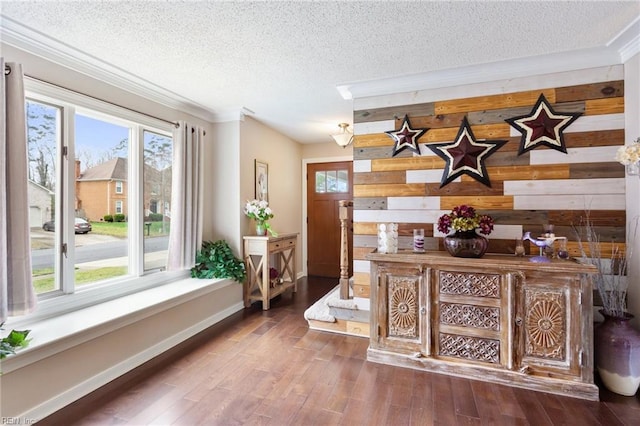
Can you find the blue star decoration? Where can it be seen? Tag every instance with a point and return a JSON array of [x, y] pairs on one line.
[[466, 155], [543, 126], [406, 137]]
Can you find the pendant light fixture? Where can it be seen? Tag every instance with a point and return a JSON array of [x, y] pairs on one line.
[[345, 137]]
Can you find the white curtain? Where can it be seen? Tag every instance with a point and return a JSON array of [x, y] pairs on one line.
[[17, 296], [187, 195]]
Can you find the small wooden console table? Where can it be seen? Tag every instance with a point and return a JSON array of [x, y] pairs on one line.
[[257, 253]]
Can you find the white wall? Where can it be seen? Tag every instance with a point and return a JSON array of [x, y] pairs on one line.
[[224, 194], [326, 150], [632, 131], [283, 156]]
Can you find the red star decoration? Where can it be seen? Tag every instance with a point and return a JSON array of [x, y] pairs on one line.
[[543, 126], [406, 137], [466, 155]]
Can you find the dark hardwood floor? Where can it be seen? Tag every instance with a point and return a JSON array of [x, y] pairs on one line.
[[268, 368]]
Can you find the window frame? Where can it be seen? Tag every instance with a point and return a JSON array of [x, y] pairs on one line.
[[119, 187], [68, 299]]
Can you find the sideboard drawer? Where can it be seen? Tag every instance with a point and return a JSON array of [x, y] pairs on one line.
[[470, 348], [470, 316], [469, 284]]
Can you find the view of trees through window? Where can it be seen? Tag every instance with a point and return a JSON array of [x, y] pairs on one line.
[[43, 135], [158, 155], [332, 181], [93, 190]]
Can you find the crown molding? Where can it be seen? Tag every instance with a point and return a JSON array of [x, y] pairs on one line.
[[231, 114], [34, 42], [627, 42], [621, 48]]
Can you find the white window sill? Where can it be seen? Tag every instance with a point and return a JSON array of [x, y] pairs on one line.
[[56, 334]]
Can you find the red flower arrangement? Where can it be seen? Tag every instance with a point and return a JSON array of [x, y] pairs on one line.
[[465, 218]]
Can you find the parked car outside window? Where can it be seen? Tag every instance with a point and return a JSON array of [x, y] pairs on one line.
[[81, 226]]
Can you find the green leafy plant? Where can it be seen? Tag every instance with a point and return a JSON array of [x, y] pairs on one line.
[[155, 217], [216, 260], [15, 340]]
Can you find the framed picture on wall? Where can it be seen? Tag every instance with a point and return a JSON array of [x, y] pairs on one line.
[[262, 181]]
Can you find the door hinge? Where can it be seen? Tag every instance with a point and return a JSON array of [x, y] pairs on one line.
[[63, 249]]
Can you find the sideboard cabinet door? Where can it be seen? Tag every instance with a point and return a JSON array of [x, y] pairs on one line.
[[400, 321], [548, 326]]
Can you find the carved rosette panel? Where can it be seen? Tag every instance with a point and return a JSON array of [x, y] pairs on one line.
[[403, 307], [483, 317], [472, 348], [545, 324], [470, 284]]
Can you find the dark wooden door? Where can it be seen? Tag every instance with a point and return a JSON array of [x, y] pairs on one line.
[[327, 184]]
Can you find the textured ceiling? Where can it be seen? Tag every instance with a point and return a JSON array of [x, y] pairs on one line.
[[283, 60]]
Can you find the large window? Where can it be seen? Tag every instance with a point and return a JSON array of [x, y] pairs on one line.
[[94, 219]]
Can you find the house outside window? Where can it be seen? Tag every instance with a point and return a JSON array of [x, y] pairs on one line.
[[118, 207], [119, 187]]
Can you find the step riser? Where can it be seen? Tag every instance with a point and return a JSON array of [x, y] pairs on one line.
[[350, 314], [351, 328]]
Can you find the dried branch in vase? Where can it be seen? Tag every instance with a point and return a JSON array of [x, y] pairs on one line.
[[611, 279]]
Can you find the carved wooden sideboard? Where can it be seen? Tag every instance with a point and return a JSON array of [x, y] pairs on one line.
[[500, 318]]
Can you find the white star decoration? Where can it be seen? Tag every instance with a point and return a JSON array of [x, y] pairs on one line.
[[543, 126], [406, 137], [465, 155]]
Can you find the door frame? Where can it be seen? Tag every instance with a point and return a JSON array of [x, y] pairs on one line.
[[305, 162]]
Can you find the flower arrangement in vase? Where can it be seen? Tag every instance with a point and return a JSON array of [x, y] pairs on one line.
[[261, 213], [629, 156], [464, 221]]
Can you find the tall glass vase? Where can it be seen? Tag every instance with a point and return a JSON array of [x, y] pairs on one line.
[[261, 229], [633, 169]]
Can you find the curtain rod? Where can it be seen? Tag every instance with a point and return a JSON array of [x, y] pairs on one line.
[[7, 71]]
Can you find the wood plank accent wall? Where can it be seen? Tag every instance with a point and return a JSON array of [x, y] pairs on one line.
[[540, 186]]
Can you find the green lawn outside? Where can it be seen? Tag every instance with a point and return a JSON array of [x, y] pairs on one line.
[[43, 279], [115, 229], [119, 229]]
